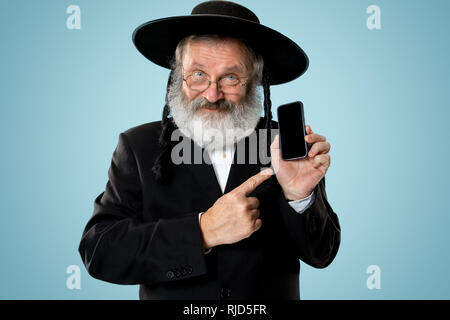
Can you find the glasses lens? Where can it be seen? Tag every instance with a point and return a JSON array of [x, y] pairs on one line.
[[230, 84], [229, 81], [197, 83]]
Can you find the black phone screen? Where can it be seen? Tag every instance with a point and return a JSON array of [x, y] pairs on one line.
[[292, 131]]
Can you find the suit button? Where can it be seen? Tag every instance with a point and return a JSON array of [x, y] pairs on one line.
[[170, 274], [225, 293]]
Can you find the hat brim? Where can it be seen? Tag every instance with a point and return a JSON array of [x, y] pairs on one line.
[[284, 60]]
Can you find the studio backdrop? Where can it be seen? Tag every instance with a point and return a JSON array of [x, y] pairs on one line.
[[376, 87]]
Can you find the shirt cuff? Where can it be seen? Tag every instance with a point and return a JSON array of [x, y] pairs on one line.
[[302, 204], [209, 250]]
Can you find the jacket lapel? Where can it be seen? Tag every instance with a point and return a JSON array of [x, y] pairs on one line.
[[239, 172], [249, 157], [203, 172]]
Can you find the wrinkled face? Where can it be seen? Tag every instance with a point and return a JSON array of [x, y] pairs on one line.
[[216, 60]]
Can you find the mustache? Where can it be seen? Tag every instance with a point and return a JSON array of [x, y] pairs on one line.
[[220, 105]]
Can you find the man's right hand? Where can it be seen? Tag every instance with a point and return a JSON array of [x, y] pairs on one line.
[[235, 215]]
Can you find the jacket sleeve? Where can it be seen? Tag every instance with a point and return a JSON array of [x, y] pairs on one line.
[[315, 233], [119, 247]]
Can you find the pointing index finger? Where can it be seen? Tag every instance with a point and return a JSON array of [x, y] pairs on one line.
[[253, 182]]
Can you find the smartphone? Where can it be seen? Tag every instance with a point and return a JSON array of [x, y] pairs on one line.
[[291, 124]]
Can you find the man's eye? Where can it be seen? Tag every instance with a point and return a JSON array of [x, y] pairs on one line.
[[198, 74], [230, 80]]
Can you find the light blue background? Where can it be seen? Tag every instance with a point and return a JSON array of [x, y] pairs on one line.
[[379, 96]]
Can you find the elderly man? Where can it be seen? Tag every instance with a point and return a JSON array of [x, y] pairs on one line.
[[216, 228]]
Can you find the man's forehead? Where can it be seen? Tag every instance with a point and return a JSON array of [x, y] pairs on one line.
[[229, 55], [232, 68]]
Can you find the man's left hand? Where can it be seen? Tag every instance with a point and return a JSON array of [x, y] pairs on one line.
[[298, 178]]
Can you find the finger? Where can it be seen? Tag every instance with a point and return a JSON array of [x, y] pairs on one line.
[[314, 137], [321, 160], [258, 224], [275, 153], [308, 129], [253, 202], [254, 213], [319, 148], [275, 143], [253, 182]]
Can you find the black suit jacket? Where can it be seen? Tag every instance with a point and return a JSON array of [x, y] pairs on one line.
[[145, 233]]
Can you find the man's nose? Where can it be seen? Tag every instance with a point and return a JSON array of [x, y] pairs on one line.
[[213, 93]]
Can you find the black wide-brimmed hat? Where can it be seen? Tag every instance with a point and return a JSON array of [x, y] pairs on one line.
[[284, 60]]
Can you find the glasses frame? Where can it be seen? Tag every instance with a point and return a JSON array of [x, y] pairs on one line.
[[242, 84]]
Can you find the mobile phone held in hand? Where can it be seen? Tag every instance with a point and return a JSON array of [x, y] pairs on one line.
[[291, 124]]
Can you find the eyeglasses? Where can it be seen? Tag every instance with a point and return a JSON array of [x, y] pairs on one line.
[[198, 81]]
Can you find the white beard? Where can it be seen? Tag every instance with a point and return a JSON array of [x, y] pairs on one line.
[[217, 130]]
